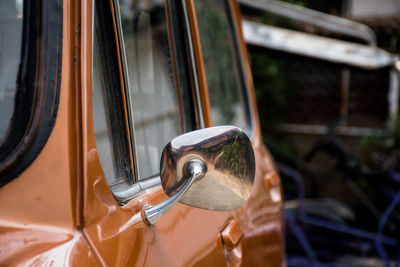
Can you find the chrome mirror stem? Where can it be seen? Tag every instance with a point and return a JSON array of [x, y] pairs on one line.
[[195, 169]]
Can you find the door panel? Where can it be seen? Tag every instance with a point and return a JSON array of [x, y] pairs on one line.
[[185, 236]]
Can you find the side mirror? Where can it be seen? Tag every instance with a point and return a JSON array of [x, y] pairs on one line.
[[211, 168]]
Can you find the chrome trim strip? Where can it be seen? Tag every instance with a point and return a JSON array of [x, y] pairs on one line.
[[127, 86], [193, 61], [124, 193]]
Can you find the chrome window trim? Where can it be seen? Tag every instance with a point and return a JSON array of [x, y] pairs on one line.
[[125, 193], [194, 67], [124, 69]]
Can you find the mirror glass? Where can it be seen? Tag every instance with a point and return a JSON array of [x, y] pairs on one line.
[[229, 157]]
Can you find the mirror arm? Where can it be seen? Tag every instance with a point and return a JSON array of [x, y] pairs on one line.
[[196, 170]]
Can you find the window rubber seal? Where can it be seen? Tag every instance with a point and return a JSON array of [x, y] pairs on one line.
[[38, 88]]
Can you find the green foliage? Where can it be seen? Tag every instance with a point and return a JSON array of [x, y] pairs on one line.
[[280, 21], [387, 142], [271, 81], [297, 2], [384, 151], [271, 88]]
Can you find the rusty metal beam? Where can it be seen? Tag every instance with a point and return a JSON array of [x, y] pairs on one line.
[[309, 45], [321, 20]]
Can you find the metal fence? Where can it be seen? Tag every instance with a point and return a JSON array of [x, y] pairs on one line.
[[319, 96], [319, 100], [321, 93]]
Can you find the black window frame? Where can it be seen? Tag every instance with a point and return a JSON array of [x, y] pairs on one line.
[[38, 87]]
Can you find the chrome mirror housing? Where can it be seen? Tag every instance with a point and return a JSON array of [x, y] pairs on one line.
[[229, 158], [211, 168]]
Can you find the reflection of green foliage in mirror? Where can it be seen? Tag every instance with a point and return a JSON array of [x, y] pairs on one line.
[[218, 60], [231, 158]]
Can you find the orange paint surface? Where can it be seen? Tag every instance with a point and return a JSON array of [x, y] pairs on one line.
[[61, 210]]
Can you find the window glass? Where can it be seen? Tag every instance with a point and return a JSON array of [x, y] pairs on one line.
[[102, 127], [109, 120], [10, 57], [227, 90], [152, 92], [136, 116]]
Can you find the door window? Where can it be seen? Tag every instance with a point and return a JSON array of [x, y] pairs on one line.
[[152, 94], [157, 85], [153, 103]]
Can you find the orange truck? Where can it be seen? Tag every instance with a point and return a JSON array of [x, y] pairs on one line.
[[129, 136]]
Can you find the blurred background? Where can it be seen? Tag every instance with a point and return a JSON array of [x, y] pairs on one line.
[[326, 76]]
